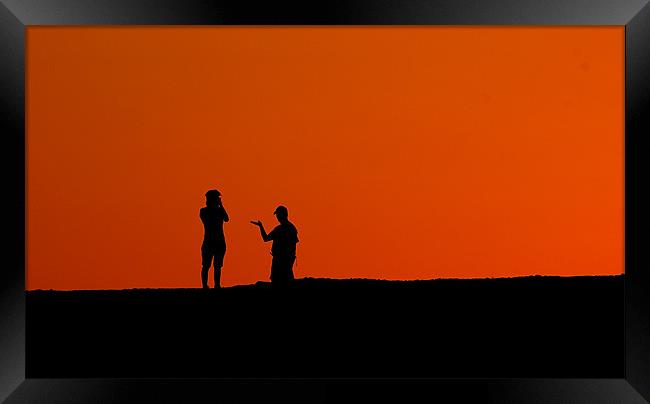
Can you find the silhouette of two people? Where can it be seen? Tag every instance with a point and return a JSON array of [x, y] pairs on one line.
[[213, 249], [285, 238]]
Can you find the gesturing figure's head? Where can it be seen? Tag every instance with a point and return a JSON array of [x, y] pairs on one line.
[[281, 213]]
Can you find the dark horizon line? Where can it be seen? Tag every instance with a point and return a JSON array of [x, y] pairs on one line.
[[342, 280]]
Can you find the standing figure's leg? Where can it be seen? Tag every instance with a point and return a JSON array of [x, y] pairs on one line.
[[218, 263], [206, 262], [217, 277]]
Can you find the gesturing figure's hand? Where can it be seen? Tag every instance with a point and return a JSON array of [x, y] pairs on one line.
[[257, 223]]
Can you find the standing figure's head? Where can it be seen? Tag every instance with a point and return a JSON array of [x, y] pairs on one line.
[[281, 213], [213, 198]]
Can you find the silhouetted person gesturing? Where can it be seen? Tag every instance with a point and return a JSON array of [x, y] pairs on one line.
[[285, 237], [213, 215]]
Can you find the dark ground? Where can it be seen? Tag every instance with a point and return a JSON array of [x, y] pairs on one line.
[[517, 327]]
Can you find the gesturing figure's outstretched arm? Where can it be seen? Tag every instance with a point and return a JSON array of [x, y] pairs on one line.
[[259, 224]]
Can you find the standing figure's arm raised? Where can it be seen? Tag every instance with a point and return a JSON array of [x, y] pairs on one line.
[[225, 214]]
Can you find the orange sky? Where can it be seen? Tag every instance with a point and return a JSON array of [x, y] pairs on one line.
[[401, 152]]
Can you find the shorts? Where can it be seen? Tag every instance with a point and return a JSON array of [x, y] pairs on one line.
[[213, 251]]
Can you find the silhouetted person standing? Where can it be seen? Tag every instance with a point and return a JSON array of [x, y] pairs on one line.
[[213, 215], [285, 237]]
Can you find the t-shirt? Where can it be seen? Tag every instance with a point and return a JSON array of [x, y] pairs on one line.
[[213, 219], [285, 237]]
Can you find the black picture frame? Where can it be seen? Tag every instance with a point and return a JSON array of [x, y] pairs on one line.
[[16, 15]]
